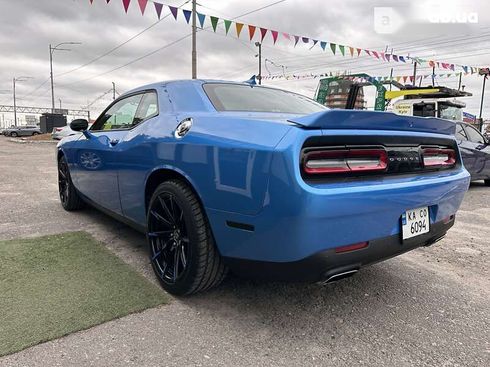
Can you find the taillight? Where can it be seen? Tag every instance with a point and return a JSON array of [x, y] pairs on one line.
[[59, 128], [345, 160], [438, 157]]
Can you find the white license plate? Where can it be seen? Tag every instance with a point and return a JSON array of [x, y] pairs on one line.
[[415, 222]]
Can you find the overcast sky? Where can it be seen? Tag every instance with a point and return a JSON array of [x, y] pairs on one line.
[[27, 27]]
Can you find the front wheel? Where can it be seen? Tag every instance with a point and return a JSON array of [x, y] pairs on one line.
[[14, 134], [70, 200], [35, 133], [182, 249]]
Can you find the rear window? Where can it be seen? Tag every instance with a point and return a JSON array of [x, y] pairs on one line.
[[236, 97]]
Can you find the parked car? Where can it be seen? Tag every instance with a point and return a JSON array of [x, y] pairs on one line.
[[475, 150], [265, 182], [22, 131], [59, 133]]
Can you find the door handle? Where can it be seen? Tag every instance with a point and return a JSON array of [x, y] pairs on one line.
[[113, 142]]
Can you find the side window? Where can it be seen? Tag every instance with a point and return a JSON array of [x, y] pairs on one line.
[[148, 107], [474, 136], [120, 116], [460, 134]]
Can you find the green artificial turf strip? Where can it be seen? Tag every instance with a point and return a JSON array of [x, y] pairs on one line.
[[54, 285]]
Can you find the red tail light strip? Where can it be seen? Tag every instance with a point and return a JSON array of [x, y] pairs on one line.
[[340, 161]]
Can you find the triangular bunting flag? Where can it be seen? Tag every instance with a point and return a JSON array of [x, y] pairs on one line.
[[107, 1], [342, 51], [395, 58], [201, 18], [359, 52], [305, 39], [227, 25], [173, 10], [187, 15], [332, 47], [274, 35], [158, 9], [383, 56], [368, 52], [401, 58], [405, 79], [431, 63], [465, 68], [351, 50], [398, 78], [126, 4], [239, 27], [286, 35], [375, 54], [296, 39], [323, 44], [314, 42], [91, 1], [214, 22], [251, 31], [411, 78], [263, 32], [451, 67], [142, 4], [388, 57]]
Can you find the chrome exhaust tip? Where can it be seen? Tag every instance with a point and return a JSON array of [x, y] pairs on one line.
[[340, 275]]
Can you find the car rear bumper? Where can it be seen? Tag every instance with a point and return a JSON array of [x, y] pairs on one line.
[[299, 221], [328, 265]]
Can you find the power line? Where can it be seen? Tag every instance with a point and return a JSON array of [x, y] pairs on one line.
[[118, 46], [166, 46]]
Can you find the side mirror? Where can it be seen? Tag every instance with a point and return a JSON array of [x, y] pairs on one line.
[[79, 125]]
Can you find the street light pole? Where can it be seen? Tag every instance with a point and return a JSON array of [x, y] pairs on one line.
[[14, 80], [51, 50], [15, 106], [259, 77]]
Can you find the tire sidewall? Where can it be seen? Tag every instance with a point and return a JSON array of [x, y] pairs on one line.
[[187, 279]]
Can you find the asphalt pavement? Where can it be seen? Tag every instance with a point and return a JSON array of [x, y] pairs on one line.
[[429, 307]]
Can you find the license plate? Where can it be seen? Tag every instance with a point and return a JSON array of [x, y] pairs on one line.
[[415, 222]]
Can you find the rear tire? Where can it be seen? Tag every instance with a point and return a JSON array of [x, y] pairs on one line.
[[35, 133], [70, 199], [181, 246], [14, 134]]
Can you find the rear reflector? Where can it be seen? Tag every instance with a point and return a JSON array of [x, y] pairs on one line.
[[438, 158], [348, 160], [353, 247]]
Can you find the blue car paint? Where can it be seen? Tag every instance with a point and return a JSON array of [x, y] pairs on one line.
[[244, 166]]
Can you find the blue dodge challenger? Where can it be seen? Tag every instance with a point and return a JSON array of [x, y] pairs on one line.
[[264, 182]]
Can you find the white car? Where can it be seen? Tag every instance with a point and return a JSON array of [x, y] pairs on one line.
[[59, 133]]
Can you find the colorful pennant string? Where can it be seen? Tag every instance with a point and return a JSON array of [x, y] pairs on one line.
[[381, 56]]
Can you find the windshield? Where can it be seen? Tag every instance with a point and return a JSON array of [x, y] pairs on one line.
[[449, 112], [236, 97]]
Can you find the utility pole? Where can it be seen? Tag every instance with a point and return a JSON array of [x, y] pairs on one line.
[[194, 30], [414, 72], [51, 51], [459, 83], [259, 76], [485, 72], [59, 99], [113, 91], [433, 75]]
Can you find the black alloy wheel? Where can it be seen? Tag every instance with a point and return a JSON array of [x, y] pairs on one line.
[[70, 200], [182, 250]]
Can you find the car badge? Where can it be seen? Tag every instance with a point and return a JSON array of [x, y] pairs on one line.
[[183, 128]]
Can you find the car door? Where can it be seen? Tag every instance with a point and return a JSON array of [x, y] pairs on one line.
[[96, 156], [482, 152]]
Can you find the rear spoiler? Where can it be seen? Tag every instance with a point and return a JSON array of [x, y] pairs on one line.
[[373, 120]]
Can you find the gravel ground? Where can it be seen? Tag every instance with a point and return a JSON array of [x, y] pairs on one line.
[[429, 307]]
